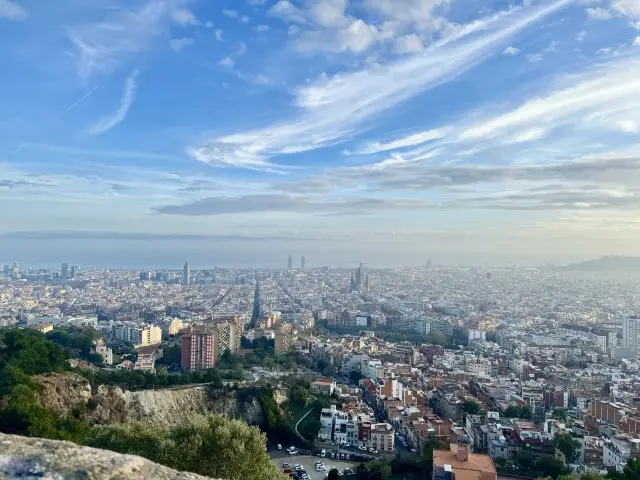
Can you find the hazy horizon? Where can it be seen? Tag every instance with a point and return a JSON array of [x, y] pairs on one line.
[[168, 253]]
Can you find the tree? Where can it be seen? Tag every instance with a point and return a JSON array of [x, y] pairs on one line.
[[549, 466], [559, 414], [569, 446], [512, 411], [526, 412], [436, 337], [470, 407], [355, 376], [590, 476], [299, 396], [211, 445], [426, 457], [377, 470], [333, 474]]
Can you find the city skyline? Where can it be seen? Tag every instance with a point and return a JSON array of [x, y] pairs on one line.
[[500, 131]]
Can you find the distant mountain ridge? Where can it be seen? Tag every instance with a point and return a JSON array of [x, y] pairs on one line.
[[609, 263]]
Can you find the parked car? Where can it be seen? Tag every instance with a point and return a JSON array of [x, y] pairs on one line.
[[286, 465], [279, 447]]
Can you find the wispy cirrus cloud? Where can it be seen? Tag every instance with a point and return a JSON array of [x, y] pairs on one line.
[[333, 109], [12, 11], [101, 46], [107, 122]]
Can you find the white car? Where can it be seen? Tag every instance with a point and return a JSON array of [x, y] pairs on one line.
[[364, 449], [279, 447], [320, 468]]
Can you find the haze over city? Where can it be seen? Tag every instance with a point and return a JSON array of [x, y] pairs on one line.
[[237, 132]]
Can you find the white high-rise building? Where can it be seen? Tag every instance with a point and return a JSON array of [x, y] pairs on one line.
[[630, 330]]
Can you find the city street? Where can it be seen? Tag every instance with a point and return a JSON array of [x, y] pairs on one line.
[[308, 463]]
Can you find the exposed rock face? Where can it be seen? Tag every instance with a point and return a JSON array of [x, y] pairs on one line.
[[65, 391], [82, 365], [31, 458]]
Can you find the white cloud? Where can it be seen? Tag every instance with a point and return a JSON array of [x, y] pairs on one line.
[[630, 8], [329, 13], [511, 51], [420, 14], [288, 12], [602, 99], [597, 13], [178, 44], [101, 46], [230, 13], [357, 37], [227, 62], [636, 42], [580, 36], [219, 35], [184, 17], [329, 28], [257, 2], [333, 109], [245, 19], [535, 57], [242, 49], [107, 122], [261, 28], [409, 44], [209, 24], [409, 141], [12, 11]]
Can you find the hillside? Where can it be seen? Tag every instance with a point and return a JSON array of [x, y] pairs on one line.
[[67, 392], [613, 263]]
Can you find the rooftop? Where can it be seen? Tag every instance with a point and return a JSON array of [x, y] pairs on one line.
[[476, 466]]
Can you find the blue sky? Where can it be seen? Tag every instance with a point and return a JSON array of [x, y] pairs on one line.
[[237, 132]]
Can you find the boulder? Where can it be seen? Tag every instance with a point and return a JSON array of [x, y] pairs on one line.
[[33, 458]]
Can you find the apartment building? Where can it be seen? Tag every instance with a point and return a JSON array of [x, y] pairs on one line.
[[323, 386], [447, 403], [282, 340], [198, 349], [382, 437], [139, 335], [619, 450]]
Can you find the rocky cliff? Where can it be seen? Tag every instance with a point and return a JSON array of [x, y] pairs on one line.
[[31, 458], [64, 392], [170, 406]]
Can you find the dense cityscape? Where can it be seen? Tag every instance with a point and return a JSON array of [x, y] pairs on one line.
[[522, 371]]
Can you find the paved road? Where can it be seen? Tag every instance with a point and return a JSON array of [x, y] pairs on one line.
[[308, 463], [302, 418]]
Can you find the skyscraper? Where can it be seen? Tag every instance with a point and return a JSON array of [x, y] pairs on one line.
[[630, 330], [187, 274], [64, 271], [74, 271], [15, 271], [302, 262], [290, 263]]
